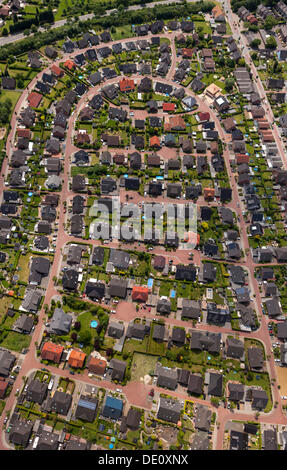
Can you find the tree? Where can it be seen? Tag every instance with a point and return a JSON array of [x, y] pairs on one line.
[[4, 32], [255, 43], [85, 337], [74, 336], [269, 23], [109, 352], [77, 325], [229, 84], [271, 43]]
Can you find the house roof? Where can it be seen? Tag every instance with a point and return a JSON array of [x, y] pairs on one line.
[[76, 358]]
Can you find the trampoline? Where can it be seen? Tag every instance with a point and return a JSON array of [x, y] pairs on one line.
[[94, 324]]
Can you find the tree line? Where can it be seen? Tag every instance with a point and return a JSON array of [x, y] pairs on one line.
[[145, 15]]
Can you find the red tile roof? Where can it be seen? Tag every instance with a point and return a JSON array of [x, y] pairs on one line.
[[209, 192], [140, 294], [204, 116], [97, 366], [154, 141], [76, 358], [127, 85], [168, 107], [52, 352], [57, 71], [24, 133], [34, 99], [187, 52], [69, 64]]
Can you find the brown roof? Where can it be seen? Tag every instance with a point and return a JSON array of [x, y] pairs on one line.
[[97, 366]]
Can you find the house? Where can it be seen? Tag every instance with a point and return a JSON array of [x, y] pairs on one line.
[[163, 306], [169, 410], [190, 309], [20, 432], [158, 332], [113, 408], [60, 402], [195, 384], [137, 331], [95, 290], [133, 419], [120, 259], [52, 352], [31, 301], [140, 294], [167, 378], [24, 324], [118, 288], [76, 359], [185, 273], [7, 361], [273, 307], [209, 272], [116, 330], [36, 391], [159, 263], [60, 323], [78, 183], [39, 268], [236, 391], [221, 104], [118, 369], [178, 336], [47, 441], [205, 341], [218, 14], [238, 440], [270, 439], [154, 142], [44, 227], [275, 83], [98, 255], [96, 366], [202, 419], [234, 348], [126, 85], [174, 190], [282, 330], [255, 358], [259, 399], [51, 52], [215, 384], [86, 408]]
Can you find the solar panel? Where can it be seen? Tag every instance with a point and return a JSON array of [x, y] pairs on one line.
[[87, 404]]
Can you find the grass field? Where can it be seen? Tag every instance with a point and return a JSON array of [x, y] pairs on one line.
[[24, 267], [282, 379], [142, 365], [16, 341]]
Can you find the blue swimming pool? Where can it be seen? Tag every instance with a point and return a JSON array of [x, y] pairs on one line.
[[172, 293], [94, 324], [150, 283]]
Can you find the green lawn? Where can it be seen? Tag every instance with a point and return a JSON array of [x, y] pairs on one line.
[[15, 341], [142, 365]]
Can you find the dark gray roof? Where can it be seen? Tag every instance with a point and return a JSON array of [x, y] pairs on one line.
[[60, 323]]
